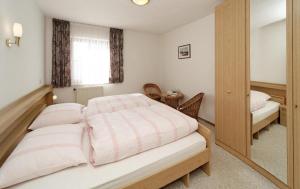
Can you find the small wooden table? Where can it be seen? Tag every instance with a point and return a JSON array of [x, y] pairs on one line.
[[172, 100]]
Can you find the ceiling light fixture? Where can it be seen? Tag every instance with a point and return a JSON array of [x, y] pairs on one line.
[[140, 2]]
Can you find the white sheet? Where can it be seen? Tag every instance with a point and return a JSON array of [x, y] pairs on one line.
[[122, 173], [270, 108]]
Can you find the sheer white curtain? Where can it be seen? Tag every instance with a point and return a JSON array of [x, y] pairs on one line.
[[90, 61]]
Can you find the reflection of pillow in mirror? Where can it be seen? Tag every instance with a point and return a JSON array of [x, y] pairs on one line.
[[258, 100]]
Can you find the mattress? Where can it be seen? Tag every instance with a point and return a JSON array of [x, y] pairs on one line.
[[121, 173], [270, 108]]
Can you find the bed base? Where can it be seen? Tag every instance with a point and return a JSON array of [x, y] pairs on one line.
[[263, 124], [181, 170]]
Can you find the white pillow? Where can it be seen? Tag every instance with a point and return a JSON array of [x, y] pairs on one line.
[[258, 100], [66, 113], [42, 152]]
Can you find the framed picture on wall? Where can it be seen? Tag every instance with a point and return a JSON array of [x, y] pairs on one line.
[[184, 51]]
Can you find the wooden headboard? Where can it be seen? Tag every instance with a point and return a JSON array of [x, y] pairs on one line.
[[16, 118], [276, 91]]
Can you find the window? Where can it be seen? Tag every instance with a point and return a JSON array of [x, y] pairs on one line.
[[90, 61]]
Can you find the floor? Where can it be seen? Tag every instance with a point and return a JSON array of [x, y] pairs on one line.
[[270, 151], [227, 172]]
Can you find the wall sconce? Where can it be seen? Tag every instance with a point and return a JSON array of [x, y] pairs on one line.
[[18, 32]]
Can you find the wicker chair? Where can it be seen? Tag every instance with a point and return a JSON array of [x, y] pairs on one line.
[[192, 106], [153, 91]]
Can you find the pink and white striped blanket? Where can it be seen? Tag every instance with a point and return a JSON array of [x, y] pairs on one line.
[[117, 135], [115, 103]]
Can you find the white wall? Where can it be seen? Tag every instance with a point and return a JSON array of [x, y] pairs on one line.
[[153, 58], [268, 53], [196, 74], [21, 68], [141, 63]]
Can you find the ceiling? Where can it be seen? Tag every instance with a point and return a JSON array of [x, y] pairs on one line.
[[159, 16]]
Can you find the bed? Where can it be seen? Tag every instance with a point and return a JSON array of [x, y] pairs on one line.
[[145, 170], [262, 117]]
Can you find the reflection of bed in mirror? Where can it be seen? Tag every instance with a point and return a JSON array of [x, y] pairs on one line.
[[269, 129], [272, 111]]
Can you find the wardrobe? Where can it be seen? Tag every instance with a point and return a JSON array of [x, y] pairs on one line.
[[232, 25], [230, 75], [296, 90]]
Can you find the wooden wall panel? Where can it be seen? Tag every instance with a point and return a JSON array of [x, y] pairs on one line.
[[231, 74], [16, 118]]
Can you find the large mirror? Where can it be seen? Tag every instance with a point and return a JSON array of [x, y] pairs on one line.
[[268, 86]]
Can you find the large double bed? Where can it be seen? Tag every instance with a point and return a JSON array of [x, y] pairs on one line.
[[153, 167]]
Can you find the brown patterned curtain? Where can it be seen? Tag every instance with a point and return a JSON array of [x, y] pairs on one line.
[[61, 69], [116, 56]]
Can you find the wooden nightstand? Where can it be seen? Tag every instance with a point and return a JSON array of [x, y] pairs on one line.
[[283, 118]]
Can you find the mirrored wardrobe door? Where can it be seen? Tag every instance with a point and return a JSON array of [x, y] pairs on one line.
[[268, 86]]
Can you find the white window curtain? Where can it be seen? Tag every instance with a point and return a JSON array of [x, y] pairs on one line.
[[90, 61]]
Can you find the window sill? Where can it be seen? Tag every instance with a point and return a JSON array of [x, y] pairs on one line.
[[95, 85]]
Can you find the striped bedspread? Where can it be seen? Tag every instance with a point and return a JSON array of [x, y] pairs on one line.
[[109, 104], [124, 133]]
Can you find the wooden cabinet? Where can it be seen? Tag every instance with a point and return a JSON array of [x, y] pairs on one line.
[[296, 91], [231, 75], [233, 83]]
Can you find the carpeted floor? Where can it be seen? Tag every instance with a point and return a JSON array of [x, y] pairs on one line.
[[227, 172], [270, 151]]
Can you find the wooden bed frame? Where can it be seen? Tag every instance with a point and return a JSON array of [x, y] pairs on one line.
[[17, 117], [278, 94], [263, 124], [181, 170]]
